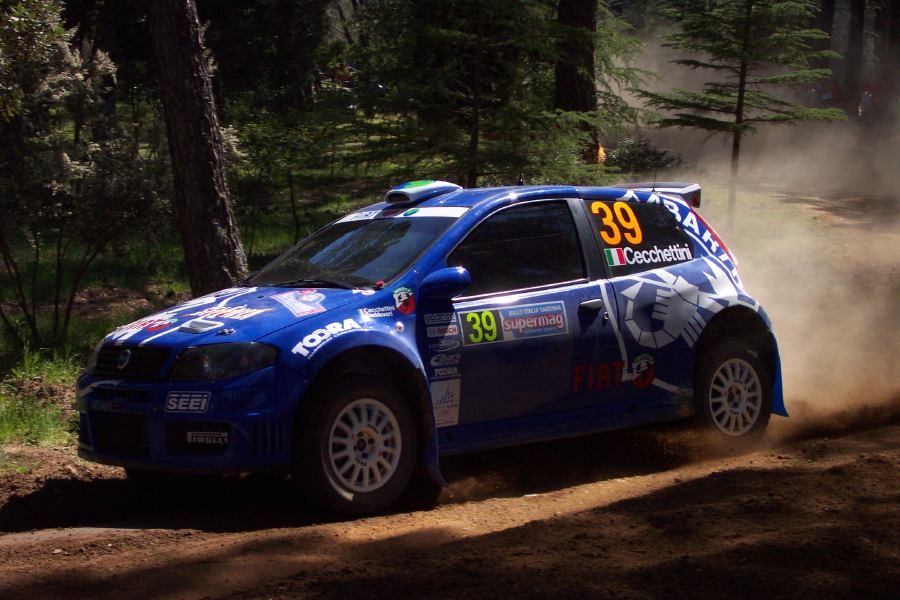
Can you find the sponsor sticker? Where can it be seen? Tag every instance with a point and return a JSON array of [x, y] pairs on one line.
[[191, 402], [299, 303], [442, 330], [607, 375], [311, 343], [377, 312], [427, 211], [238, 313], [446, 372], [149, 324], [404, 300], [643, 370], [363, 292], [617, 257], [445, 398], [435, 211], [436, 318], [600, 376], [444, 345], [513, 323], [444, 360], [360, 216], [212, 438], [310, 295]]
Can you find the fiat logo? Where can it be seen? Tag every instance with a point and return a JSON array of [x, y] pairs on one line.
[[123, 360]]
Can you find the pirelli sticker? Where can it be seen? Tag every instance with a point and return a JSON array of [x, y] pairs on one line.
[[512, 323]]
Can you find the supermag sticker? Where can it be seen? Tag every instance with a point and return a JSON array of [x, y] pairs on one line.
[[511, 323]]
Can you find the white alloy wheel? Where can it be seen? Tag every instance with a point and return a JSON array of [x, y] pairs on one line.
[[735, 397], [364, 445]]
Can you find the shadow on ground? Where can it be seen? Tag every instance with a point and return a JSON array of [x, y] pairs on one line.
[[793, 531], [859, 211], [265, 501]]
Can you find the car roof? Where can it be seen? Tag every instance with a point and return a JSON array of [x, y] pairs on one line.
[[484, 197]]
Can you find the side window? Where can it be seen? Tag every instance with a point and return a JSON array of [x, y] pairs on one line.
[[521, 247], [636, 236]]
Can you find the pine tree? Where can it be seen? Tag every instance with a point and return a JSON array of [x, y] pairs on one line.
[[758, 51], [467, 89], [203, 209]]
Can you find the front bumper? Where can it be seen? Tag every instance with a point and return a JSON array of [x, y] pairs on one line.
[[240, 425]]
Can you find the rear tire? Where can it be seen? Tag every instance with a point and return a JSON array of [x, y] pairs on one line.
[[355, 447], [733, 391]]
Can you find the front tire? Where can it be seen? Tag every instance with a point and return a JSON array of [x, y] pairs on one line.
[[356, 447], [733, 393]]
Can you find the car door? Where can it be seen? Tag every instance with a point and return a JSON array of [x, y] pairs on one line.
[[648, 257], [534, 332]]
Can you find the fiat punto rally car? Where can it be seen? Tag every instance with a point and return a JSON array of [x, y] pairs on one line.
[[441, 320]]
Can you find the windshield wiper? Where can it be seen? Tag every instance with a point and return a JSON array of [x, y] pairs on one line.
[[316, 281]]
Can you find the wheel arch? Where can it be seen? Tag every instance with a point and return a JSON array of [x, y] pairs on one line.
[[744, 322], [382, 362]]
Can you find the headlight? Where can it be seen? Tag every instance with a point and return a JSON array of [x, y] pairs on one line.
[[221, 361]]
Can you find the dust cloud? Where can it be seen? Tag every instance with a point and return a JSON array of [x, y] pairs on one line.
[[818, 239]]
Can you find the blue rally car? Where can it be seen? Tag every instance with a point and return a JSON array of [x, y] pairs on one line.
[[439, 321]]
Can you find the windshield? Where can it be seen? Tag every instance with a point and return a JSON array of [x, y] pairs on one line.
[[353, 253]]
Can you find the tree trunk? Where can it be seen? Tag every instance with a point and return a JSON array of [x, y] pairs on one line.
[[854, 58], [887, 86], [203, 208], [739, 117], [473, 164], [575, 85]]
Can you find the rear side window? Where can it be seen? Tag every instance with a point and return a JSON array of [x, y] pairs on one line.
[[521, 247], [637, 237]]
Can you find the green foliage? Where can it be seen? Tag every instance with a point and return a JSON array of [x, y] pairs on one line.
[[36, 401], [22, 421], [468, 88], [73, 178], [638, 156], [752, 48], [52, 371]]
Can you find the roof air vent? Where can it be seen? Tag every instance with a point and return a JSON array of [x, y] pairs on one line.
[[416, 191]]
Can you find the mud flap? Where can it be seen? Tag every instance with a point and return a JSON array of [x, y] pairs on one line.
[[778, 407], [431, 466]]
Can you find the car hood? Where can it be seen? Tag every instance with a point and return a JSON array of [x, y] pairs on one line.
[[232, 315]]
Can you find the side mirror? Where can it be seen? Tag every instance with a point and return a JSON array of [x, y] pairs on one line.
[[444, 284]]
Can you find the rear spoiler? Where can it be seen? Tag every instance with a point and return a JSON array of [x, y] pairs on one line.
[[689, 192]]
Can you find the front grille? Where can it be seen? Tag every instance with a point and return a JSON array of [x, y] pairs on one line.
[[122, 396], [197, 437], [120, 433], [145, 363]]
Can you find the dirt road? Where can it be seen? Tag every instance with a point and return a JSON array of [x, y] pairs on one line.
[[629, 514], [814, 511]]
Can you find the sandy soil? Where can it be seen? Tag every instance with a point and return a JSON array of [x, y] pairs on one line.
[[812, 511]]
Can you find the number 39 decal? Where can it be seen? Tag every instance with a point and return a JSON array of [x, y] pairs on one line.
[[614, 220], [480, 327]]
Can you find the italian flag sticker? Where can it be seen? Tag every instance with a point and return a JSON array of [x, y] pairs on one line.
[[615, 257]]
